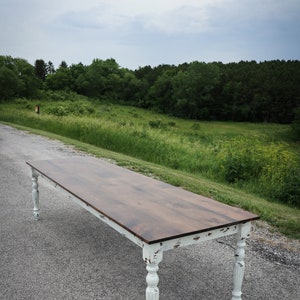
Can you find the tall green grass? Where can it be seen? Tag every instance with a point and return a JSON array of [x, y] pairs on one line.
[[258, 158]]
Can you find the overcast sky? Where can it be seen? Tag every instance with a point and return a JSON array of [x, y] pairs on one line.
[[139, 32]]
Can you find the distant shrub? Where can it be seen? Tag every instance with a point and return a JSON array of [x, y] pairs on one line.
[[156, 124], [58, 110], [241, 165], [270, 166], [21, 101], [50, 95], [281, 175], [78, 108], [289, 191], [171, 123], [57, 95], [196, 126]]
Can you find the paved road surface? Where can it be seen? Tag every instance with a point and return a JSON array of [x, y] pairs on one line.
[[70, 254]]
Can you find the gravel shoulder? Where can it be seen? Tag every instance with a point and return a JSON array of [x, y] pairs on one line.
[[69, 254]]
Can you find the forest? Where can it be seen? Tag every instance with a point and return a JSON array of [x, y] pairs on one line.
[[246, 91]]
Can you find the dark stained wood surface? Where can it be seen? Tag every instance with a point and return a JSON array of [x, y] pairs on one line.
[[150, 209]]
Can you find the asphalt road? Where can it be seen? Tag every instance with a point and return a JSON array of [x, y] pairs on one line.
[[70, 254]]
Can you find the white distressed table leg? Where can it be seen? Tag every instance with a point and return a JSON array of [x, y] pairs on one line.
[[152, 255], [239, 267], [35, 195]]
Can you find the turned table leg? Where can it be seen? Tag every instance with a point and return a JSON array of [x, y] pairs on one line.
[[239, 266], [35, 195], [152, 255]]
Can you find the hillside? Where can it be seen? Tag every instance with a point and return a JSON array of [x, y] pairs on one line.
[[252, 165]]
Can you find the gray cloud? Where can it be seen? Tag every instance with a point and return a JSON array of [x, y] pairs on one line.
[[138, 33]]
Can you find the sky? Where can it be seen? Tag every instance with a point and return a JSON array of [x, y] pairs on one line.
[[138, 33]]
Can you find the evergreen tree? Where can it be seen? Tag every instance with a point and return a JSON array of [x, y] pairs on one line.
[[40, 69], [63, 64], [50, 67]]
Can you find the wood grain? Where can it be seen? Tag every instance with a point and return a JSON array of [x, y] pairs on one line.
[[150, 209]]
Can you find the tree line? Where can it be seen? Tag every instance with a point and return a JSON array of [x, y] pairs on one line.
[[267, 91]]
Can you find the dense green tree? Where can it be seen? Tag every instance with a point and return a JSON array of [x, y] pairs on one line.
[[77, 72], [244, 91], [146, 73], [9, 83], [162, 93], [130, 89], [60, 80], [17, 78], [93, 81], [40, 69], [268, 91], [193, 90], [101, 79], [26, 73]]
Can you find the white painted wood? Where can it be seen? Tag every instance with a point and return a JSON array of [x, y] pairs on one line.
[[152, 255], [152, 279], [239, 266], [199, 237], [35, 195]]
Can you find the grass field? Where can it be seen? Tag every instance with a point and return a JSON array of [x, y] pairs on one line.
[[254, 166]]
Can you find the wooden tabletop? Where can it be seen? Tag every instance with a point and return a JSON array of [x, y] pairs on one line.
[[150, 209]]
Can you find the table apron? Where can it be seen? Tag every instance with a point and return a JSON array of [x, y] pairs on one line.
[[199, 237]]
